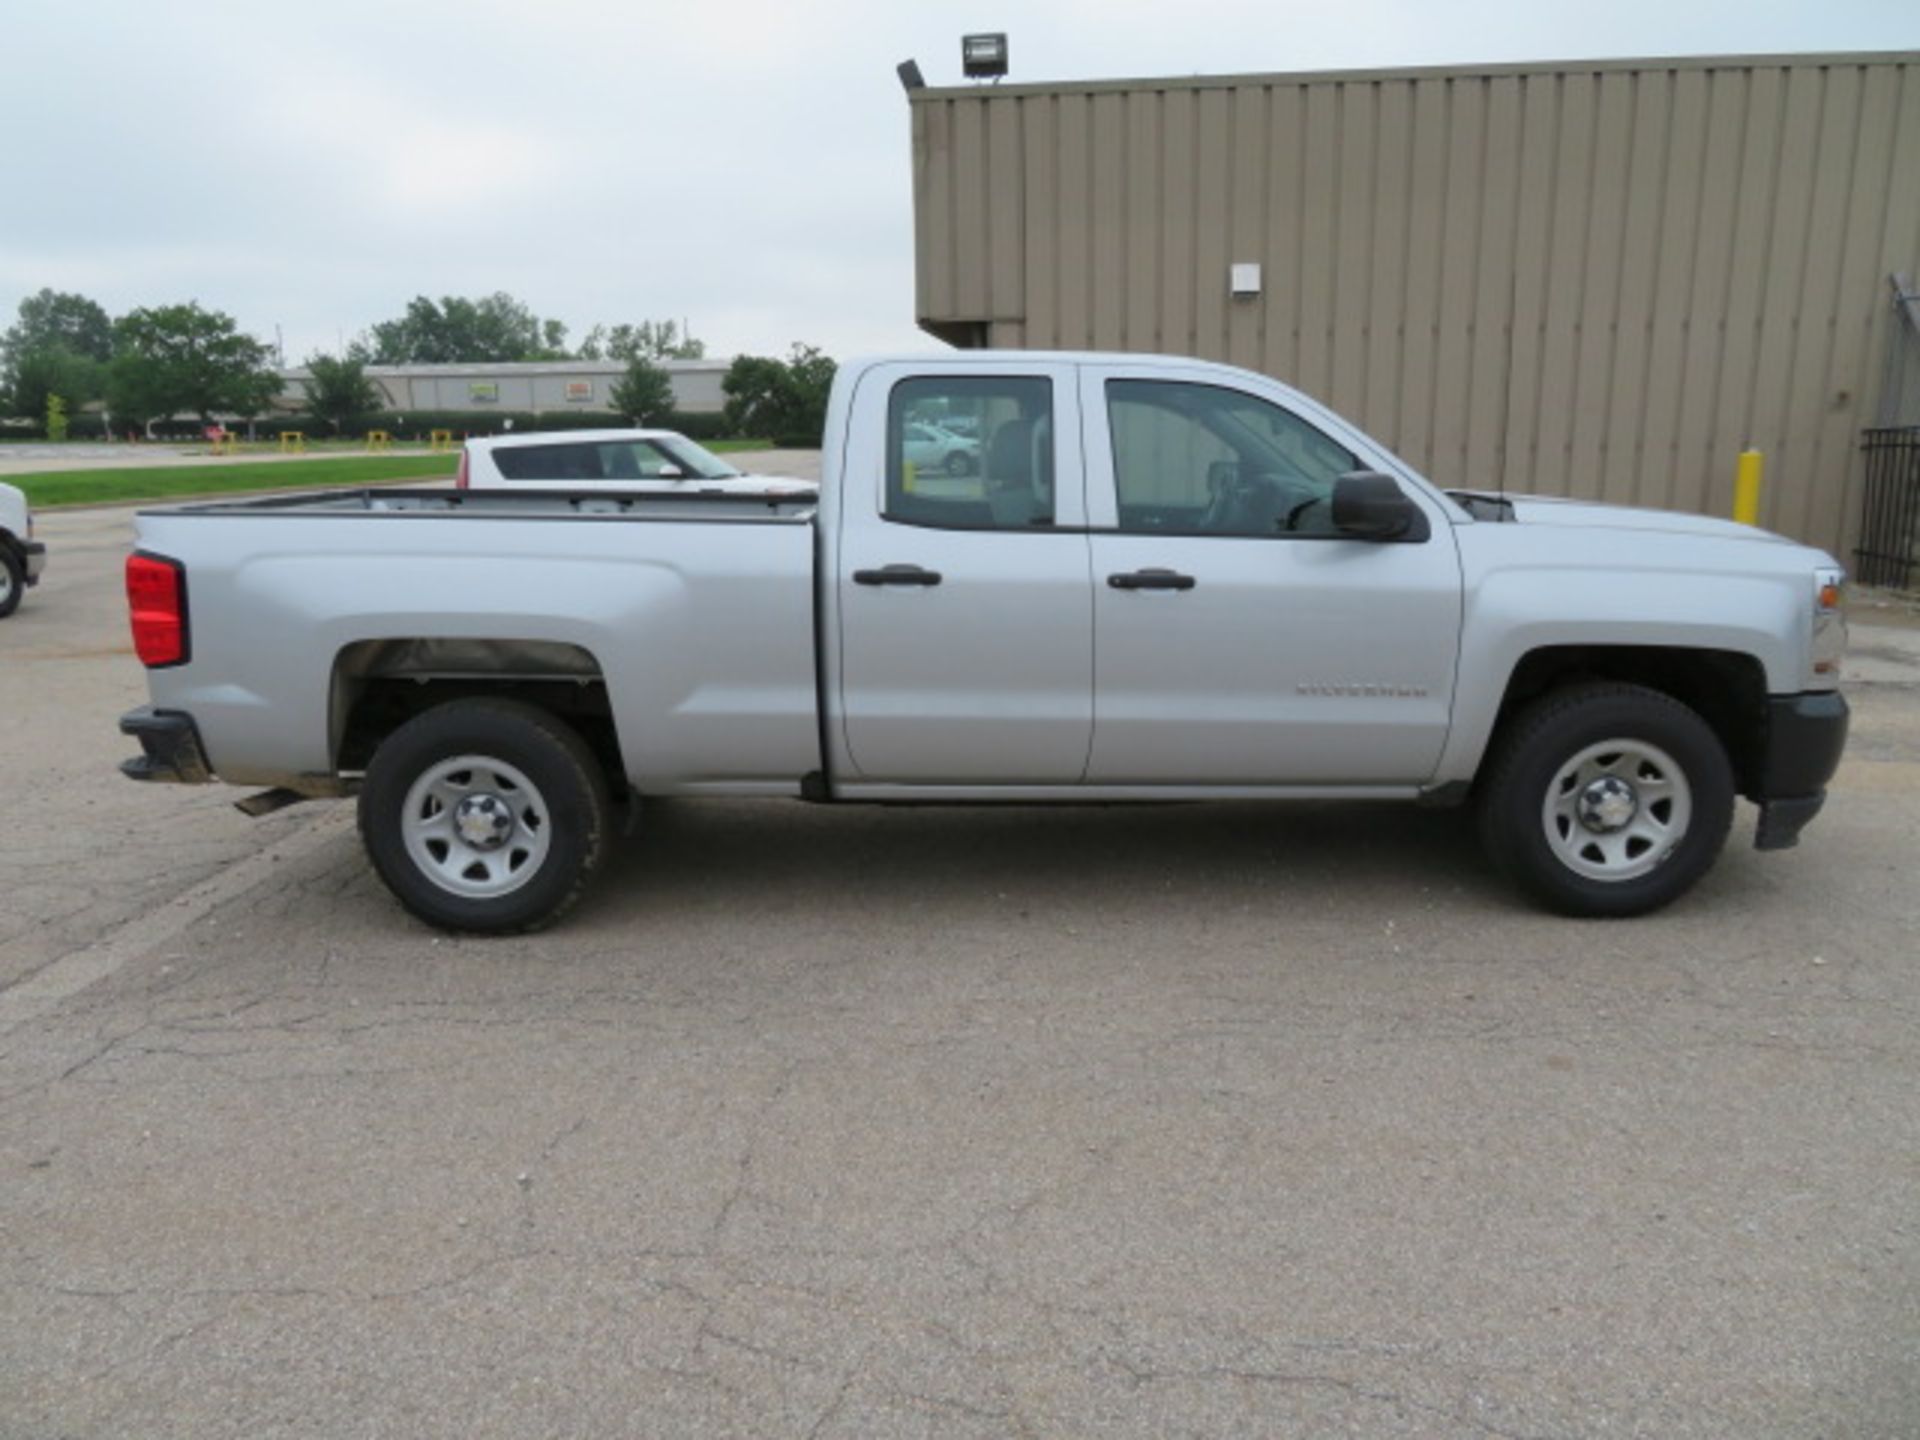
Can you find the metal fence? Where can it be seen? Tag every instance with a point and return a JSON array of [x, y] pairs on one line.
[[1889, 552]]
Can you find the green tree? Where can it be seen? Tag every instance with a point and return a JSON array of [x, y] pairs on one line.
[[182, 359], [644, 394], [650, 340], [338, 390], [54, 319], [780, 399], [553, 341], [39, 374], [57, 346], [56, 418], [254, 396], [456, 330]]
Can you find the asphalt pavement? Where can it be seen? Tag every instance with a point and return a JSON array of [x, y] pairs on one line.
[[1197, 1120]]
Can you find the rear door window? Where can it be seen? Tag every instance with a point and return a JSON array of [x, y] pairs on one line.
[[971, 452]]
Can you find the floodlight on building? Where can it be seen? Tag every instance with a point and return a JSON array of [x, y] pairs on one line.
[[910, 77], [984, 57]]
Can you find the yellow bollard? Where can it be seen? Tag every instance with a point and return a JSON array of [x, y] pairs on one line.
[[1746, 488]]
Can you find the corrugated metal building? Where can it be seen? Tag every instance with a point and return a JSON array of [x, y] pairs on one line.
[[1601, 279]]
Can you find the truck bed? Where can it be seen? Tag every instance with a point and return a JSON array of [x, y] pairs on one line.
[[695, 612]]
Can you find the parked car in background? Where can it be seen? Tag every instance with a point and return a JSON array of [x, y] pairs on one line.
[[933, 447], [625, 461], [21, 557]]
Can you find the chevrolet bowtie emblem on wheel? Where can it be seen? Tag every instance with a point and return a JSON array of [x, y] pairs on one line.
[[1366, 692]]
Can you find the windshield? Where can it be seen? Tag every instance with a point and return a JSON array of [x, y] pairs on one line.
[[697, 462]]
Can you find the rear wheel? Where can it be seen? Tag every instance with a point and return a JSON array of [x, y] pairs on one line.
[[1607, 799], [485, 815], [959, 462]]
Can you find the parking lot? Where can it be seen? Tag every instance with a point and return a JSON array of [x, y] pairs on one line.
[[1181, 1120]]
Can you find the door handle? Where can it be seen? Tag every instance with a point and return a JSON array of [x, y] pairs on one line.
[[1151, 580], [897, 575]]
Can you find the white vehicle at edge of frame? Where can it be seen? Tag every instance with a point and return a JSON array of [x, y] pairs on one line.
[[22, 558]]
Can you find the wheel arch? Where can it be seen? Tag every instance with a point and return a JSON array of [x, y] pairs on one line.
[[376, 686], [1726, 688]]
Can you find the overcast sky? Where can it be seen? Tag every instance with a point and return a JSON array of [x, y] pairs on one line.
[[744, 165]]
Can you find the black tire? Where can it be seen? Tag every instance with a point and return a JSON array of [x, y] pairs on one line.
[[1549, 737], [959, 462], [568, 794], [13, 580]]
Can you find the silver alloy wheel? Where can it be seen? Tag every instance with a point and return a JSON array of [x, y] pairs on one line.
[[476, 827], [1617, 810]]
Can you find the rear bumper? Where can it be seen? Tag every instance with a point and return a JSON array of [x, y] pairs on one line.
[[170, 745], [35, 555], [1804, 738]]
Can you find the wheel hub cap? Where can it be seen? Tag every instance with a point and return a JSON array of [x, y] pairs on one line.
[[1608, 804], [476, 826], [484, 821], [1617, 810]]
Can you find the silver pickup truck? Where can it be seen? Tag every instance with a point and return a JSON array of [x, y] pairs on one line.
[[1164, 579]]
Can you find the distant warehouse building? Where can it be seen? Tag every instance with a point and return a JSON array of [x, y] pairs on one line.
[[540, 387], [1599, 279]]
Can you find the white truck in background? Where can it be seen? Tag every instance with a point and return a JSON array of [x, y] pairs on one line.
[[22, 558], [1164, 579]]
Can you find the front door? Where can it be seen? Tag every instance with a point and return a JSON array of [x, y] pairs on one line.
[[963, 594], [1240, 639]]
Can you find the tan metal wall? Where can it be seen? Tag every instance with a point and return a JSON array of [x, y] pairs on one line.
[[1594, 279]]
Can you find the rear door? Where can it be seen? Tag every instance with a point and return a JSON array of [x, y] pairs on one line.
[[1241, 640], [964, 596]]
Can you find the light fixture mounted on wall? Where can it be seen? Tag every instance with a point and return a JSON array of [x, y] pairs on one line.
[[984, 57]]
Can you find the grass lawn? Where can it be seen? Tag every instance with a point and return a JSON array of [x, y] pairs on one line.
[[158, 482]]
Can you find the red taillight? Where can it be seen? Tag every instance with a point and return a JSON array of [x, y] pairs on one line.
[[157, 598], [460, 475]]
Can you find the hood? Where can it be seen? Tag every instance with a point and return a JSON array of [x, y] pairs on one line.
[[1585, 514]]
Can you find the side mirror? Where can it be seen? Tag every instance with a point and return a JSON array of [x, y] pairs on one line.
[[1370, 506], [669, 472]]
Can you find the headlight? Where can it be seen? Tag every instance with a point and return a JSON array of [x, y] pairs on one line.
[[1829, 626]]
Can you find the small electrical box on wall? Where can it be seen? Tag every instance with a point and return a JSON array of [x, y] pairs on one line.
[[1243, 277]]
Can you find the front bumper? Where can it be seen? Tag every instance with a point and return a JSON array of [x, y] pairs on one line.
[[1801, 749], [35, 554], [171, 745]]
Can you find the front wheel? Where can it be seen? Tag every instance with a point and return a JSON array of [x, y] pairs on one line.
[[13, 580], [485, 815], [1607, 799], [959, 462]]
